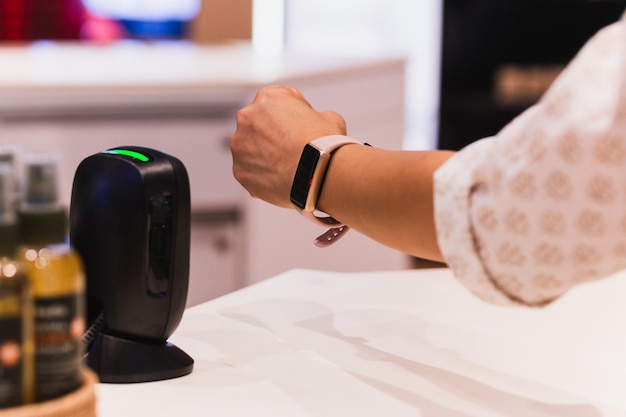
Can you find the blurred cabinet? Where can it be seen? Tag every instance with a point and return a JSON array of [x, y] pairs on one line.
[[218, 248], [184, 101]]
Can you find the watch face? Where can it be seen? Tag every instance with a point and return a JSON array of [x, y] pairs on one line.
[[302, 195]]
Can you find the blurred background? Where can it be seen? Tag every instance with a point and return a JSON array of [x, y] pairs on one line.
[[351, 27], [78, 76], [494, 57]]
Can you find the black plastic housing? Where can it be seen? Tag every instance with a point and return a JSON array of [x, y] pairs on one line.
[[130, 223]]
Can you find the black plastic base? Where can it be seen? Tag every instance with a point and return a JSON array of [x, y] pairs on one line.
[[121, 361]]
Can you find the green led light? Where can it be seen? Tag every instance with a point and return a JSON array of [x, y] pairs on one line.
[[136, 155]]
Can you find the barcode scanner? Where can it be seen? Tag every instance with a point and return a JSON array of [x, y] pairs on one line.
[[130, 223]]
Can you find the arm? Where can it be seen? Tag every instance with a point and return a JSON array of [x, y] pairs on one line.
[[542, 202], [520, 218], [386, 195]]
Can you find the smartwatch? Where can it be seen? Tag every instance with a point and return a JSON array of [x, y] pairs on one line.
[[308, 182]]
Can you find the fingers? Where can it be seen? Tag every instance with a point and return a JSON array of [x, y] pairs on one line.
[[283, 105], [279, 92], [294, 91], [283, 89], [268, 98], [267, 143]]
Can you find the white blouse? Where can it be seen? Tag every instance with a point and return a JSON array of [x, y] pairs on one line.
[[523, 216]]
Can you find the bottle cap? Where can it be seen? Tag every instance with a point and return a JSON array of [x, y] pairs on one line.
[[41, 220], [41, 179], [7, 207], [11, 155], [8, 230]]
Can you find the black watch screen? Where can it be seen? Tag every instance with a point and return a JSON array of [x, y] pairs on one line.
[[303, 179]]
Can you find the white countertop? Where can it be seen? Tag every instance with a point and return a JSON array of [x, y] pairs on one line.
[[49, 77], [406, 343], [133, 64]]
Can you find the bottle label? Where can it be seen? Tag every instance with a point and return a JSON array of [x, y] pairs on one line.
[[11, 365], [59, 327]]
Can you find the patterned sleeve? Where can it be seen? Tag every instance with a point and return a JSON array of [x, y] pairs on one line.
[[523, 216]]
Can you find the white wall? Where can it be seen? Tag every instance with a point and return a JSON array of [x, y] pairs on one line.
[[408, 27]]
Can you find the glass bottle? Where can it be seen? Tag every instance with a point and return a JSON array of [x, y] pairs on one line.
[[57, 280], [10, 155], [16, 319]]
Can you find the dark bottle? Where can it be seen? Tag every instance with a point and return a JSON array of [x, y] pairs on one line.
[[57, 280], [16, 318]]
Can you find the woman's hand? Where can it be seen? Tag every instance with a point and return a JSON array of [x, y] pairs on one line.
[[271, 133], [386, 195]]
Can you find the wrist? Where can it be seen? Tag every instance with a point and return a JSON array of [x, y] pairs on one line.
[[309, 180], [346, 161]]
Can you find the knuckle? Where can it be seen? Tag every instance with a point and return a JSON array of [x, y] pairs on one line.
[[335, 118], [293, 91], [265, 93], [232, 143], [238, 174], [273, 91], [243, 116]]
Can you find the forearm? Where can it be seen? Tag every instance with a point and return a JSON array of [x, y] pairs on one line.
[[385, 195]]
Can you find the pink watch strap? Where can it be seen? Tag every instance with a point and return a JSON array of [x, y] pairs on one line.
[[332, 142], [329, 144], [331, 236]]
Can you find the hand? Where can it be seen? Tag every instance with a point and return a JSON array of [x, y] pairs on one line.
[[271, 133]]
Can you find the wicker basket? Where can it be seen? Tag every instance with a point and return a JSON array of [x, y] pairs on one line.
[[80, 403]]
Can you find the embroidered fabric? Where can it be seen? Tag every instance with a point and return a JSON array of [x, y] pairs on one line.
[[525, 215]]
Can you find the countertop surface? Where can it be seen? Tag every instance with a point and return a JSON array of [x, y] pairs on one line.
[[48, 78], [132, 64], [403, 343]]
